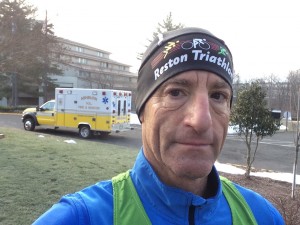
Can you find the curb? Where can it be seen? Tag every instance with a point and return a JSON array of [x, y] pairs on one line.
[[11, 113]]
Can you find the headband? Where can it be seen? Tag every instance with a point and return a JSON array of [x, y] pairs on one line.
[[178, 51]]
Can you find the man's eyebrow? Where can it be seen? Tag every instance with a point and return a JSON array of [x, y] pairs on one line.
[[221, 84], [177, 81]]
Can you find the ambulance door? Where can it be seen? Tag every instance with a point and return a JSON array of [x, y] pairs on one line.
[[46, 114], [122, 110], [60, 115], [126, 107], [72, 107]]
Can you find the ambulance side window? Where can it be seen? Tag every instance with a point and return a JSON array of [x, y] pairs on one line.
[[119, 107], [124, 109], [47, 106]]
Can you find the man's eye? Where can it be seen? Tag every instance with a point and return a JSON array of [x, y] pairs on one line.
[[175, 93], [218, 96]]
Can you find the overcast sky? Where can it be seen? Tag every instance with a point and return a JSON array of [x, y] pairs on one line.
[[263, 35]]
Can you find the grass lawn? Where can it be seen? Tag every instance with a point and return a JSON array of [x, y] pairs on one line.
[[36, 171]]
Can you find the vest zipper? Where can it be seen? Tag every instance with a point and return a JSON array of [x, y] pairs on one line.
[[192, 215]]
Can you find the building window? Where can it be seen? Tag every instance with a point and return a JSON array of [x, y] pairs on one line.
[[79, 49], [100, 54], [103, 64], [84, 73], [82, 61]]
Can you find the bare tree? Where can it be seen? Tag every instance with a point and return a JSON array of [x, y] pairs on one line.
[[293, 80], [270, 83]]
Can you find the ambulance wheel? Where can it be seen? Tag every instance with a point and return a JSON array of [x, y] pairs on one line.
[[29, 124], [85, 131]]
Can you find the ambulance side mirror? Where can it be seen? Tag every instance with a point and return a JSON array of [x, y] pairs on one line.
[[40, 109]]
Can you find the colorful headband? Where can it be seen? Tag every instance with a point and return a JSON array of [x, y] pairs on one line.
[[178, 51]]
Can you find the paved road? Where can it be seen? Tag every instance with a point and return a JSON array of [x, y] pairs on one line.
[[130, 139], [276, 153]]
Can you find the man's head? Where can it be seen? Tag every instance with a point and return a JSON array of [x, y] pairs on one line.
[[183, 102], [178, 51]]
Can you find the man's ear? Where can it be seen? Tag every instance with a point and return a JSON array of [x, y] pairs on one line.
[[141, 116]]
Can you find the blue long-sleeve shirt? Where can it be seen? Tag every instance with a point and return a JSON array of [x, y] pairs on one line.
[[163, 204]]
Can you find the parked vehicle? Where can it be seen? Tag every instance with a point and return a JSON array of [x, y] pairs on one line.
[[92, 111]]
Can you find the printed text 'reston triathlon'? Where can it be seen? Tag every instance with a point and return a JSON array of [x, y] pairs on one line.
[[198, 55]]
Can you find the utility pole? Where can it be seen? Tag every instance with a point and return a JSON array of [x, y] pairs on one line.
[[44, 76], [14, 89], [297, 150], [14, 80]]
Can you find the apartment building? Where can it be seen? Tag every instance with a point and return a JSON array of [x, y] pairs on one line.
[[83, 66], [88, 67]]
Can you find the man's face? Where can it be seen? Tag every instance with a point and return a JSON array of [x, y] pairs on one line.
[[184, 125]]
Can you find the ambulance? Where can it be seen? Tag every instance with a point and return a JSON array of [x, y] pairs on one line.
[[91, 111]]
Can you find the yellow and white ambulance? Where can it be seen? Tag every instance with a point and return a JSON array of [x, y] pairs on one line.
[[92, 111]]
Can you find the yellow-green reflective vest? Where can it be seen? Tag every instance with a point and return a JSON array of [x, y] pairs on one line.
[[129, 210]]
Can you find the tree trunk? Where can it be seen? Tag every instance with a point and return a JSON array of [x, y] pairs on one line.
[[248, 160]]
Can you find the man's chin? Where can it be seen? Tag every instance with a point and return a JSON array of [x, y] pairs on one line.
[[195, 171]]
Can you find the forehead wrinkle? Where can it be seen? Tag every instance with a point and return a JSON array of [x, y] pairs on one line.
[[199, 75], [186, 81], [218, 83]]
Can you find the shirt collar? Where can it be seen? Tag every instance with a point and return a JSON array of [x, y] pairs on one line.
[[166, 199]]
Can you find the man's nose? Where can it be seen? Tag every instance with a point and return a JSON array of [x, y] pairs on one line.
[[198, 114]]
